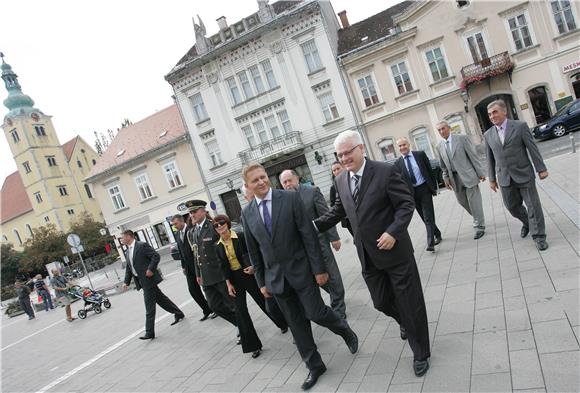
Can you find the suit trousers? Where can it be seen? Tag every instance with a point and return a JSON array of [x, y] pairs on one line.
[[220, 301], [424, 206], [515, 195], [396, 291], [300, 306], [153, 296], [334, 287], [196, 293], [26, 306], [470, 200]]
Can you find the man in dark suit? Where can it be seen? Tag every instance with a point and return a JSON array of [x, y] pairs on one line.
[[142, 261], [510, 146], [208, 268], [188, 265], [284, 249], [418, 174], [379, 206], [315, 206]]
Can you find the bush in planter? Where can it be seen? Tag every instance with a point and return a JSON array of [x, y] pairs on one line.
[[7, 292], [14, 309]]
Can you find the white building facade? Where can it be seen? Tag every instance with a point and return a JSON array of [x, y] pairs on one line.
[[266, 89]]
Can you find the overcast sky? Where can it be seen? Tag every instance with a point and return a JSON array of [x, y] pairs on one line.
[[89, 65]]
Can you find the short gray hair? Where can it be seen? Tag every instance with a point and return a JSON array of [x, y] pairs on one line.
[[441, 123], [403, 138], [500, 103], [348, 136]]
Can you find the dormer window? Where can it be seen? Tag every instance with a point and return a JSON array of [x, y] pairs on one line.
[[162, 134], [121, 152]]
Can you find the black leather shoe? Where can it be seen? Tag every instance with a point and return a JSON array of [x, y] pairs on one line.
[[541, 244], [257, 353], [205, 316], [525, 231], [478, 234], [430, 249], [213, 315], [351, 340], [284, 330], [438, 240], [178, 317], [403, 333], [147, 337], [420, 367], [312, 377]]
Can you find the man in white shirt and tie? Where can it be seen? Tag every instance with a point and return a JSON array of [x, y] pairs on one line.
[[462, 170], [511, 150]]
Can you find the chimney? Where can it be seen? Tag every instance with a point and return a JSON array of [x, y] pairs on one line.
[[222, 24], [343, 19]]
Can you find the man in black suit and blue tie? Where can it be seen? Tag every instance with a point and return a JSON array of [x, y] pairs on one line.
[[284, 249]]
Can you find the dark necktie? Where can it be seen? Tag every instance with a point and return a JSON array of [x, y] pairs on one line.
[[410, 169], [355, 190], [267, 217]]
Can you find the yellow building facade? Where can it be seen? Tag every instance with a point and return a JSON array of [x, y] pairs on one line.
[[47, 186]]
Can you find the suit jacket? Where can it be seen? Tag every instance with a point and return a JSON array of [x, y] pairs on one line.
[[292, 253], [241, 251], [385, 204], [511, 160], [315, 206], [208, 266], [187, 258], [465, 161], [425, 168], [144, 258]]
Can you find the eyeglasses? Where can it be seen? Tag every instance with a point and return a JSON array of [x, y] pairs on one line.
[[346, 153], [218, 224]]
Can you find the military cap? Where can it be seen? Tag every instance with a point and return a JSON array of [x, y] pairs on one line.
[[195, 204]]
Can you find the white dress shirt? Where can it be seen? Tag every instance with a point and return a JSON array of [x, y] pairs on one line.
[[268, 199], [360, 173], [130, 251]]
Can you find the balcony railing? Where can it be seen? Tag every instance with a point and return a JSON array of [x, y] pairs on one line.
[[486, 68], [273, 148]]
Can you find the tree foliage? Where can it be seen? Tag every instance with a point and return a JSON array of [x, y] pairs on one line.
[[88, 230], [10, 265]]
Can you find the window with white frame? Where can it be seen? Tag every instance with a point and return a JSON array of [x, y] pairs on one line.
[[401, 77], [422, 142], [62, 190], [17, 236], [437, 65], [46, 219], [70, 212], [29, 230], [213, 150], [142, 183], [249, 134], [245, 82], [311, 56], [477, 47], [38, 197], [116, 197], [520, 32], [328, 106], [234, 90], [387, 147], [368, 91], [51, 160], [563, 15], [199, 111], [257, 79], [456, 124], [88, 191], [172, 174], [285, 121], [40, 130], [15, 136], [26, 166], [269, 72], [272, 126], [261, 131]]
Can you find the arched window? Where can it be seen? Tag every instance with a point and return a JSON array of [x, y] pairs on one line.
[[17, 235], [4, 239], [456, 123], [29, 229]]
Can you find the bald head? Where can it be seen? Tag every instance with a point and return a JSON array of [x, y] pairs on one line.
[[289, 179]]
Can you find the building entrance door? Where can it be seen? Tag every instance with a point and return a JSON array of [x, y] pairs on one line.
[[232, 205], [540, 104], [481, 110]]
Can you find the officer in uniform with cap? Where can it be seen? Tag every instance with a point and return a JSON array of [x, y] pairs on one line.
[[210, 276]]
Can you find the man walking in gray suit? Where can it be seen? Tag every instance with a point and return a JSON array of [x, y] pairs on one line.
[[315, 207], [462, 171], [508, 144], [285, 252]]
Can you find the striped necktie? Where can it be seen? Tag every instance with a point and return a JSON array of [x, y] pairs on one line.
[[355, 190]]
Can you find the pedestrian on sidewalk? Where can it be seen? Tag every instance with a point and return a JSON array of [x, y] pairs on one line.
[[142, 261], [462, 172], [23, 293], [60, 284], [43, 291], [510, 146], [420, 178], [285, 252], [379, 205]]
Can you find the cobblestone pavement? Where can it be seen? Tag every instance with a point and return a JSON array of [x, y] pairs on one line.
[[502, 317]]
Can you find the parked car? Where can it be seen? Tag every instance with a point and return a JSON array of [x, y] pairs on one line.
[[567, 119]]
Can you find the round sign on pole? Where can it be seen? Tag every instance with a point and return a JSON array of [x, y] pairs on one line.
[[212, 205], [73, 240]]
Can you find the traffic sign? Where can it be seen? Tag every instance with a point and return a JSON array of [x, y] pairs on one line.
[[73, 240], [78, 249]]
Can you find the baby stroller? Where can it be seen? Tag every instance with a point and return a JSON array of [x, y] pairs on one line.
[[93, 300]]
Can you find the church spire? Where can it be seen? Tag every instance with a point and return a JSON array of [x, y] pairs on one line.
[[17, 102]]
